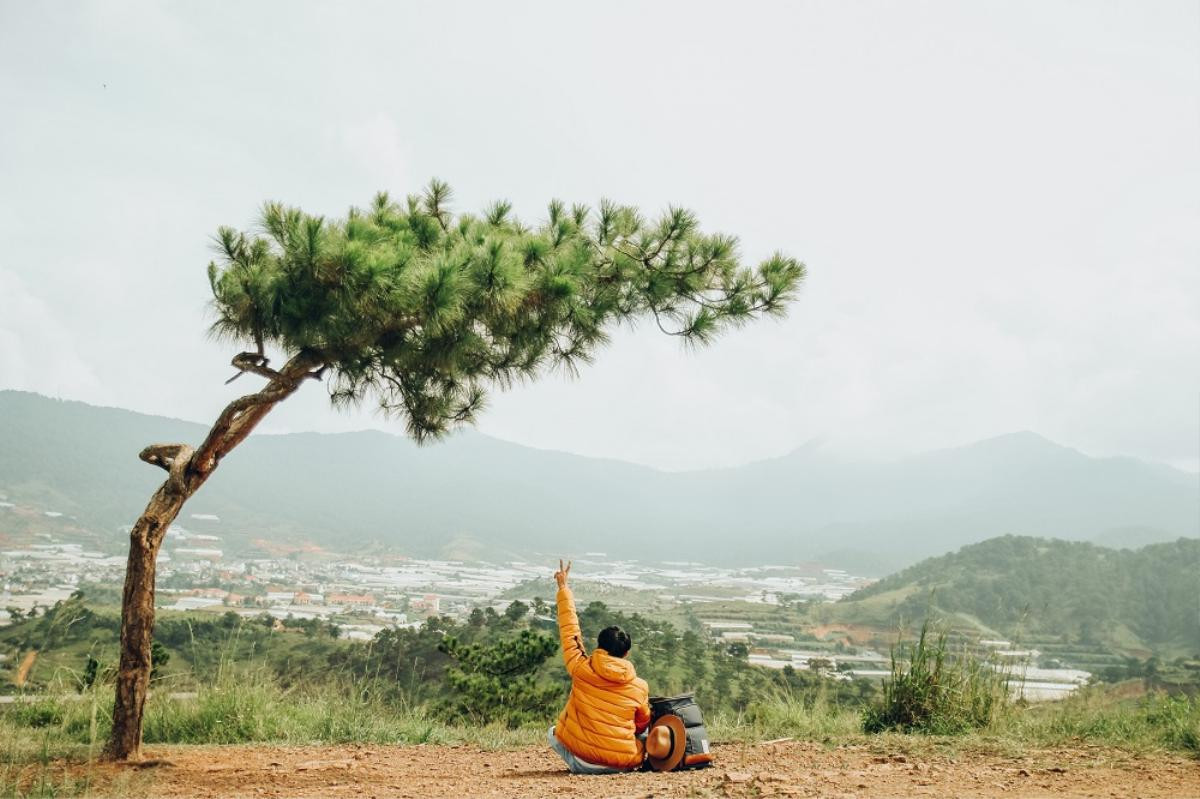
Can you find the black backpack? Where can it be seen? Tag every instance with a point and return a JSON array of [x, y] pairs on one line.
[[698, 753]]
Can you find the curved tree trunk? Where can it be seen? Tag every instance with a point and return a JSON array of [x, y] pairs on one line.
[[137, 623], [187, 471]]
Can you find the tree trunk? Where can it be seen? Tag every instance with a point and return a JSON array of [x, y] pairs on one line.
[[188, 470], [137, 623]]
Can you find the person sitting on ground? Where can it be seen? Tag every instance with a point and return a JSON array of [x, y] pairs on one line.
[[597, 732]]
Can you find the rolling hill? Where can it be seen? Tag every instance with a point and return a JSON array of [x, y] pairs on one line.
[[1036, 589], [354, 489]]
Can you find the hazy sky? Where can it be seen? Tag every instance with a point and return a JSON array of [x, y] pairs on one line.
[[999, 202]]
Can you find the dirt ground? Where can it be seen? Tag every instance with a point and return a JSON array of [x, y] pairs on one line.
[[787, 769]]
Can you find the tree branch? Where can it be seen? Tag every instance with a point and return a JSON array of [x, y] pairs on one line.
[[241, 415], [161, 455], [172, 457], [253, 362], [658, 321]]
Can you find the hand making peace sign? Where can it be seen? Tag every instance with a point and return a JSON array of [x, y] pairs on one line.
[[561, 575]]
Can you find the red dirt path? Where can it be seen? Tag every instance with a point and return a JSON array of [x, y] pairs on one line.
[[790, 769]]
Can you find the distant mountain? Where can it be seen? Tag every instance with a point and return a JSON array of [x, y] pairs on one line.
[[1075, 592], [489, 496]]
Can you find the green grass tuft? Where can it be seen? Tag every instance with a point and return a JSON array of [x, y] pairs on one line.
[[785, 715], [932, 693], [1153, 722]]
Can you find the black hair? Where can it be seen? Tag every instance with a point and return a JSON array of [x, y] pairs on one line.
[[615, 641]]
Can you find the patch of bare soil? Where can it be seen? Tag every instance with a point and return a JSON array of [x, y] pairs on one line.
[[790, 769]]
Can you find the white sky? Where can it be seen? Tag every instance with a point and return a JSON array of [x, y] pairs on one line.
[[999, 202]]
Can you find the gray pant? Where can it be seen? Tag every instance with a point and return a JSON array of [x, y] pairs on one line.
[[575, 764]]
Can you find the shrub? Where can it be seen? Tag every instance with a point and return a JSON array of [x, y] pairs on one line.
[[498, 681], [929, 692]]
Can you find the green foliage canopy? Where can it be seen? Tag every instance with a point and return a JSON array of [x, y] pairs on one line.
[[424, 310]]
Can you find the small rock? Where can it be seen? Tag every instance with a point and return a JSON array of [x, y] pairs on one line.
[[1023, 772], [764, 777], [1057, 770], [899, 759], [738, 776]]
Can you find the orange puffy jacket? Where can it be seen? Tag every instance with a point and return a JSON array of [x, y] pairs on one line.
[[608, 704]]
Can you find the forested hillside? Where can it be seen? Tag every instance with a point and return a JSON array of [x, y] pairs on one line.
[[1146, 598]]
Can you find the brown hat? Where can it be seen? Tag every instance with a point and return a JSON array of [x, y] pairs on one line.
[[666, 743]]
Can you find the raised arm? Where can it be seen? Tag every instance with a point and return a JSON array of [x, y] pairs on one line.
[[574, 653]]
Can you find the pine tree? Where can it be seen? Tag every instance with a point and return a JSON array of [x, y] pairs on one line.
[[422, 312], [498, 681]]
